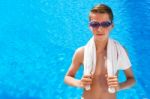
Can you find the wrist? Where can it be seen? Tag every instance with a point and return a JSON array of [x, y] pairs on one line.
[[79, 84]]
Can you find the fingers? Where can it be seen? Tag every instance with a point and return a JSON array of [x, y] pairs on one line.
[[86, 80], [88, 76], [113, 84], [112, 81]]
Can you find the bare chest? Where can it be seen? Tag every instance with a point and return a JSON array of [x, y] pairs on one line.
[[100, 65]]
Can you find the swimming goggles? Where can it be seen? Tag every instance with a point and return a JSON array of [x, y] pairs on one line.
[[95, 24]]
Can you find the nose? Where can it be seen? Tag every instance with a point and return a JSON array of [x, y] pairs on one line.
[[99, 28]]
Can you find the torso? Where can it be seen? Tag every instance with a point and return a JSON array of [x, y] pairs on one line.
[[99, 88]]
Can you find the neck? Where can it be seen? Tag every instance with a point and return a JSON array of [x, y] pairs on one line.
[[101, 45]]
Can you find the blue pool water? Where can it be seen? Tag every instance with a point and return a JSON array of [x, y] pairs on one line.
[[38, 39]]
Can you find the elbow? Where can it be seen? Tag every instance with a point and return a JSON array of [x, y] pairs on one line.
[[133, 82], [65, 79], [132, 79]]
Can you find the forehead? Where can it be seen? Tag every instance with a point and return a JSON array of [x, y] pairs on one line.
[[99, 17]]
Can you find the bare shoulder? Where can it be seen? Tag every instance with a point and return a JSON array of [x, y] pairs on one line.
[[79, 54], [80, 51], [77, 60]]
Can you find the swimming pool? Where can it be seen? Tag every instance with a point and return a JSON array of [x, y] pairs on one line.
[[38, 39]]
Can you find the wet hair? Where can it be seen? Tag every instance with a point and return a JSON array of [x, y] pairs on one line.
[[102, 8]]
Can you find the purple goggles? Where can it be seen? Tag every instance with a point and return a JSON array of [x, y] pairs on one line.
[[95, 24]]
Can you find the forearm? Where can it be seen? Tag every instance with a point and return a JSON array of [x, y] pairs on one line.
[[72, 81], [127, 84]]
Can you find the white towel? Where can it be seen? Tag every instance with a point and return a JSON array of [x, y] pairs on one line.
[[116, 56]]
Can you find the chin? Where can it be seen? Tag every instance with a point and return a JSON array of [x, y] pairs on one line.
[[100, 38]]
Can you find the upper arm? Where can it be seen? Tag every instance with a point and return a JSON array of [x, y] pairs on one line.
[[128, 72], [77, 60]]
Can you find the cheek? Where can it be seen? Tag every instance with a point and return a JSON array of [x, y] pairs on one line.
[[107, 30], [93, 30]]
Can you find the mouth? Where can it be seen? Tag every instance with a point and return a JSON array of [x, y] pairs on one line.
[[99, 34]]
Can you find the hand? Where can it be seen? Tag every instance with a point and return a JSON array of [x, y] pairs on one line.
[[86, 80], [112, 81]]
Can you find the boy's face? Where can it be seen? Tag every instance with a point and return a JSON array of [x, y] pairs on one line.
[[100, 32]]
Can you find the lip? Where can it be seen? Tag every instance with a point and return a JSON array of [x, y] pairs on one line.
[[99, 34]]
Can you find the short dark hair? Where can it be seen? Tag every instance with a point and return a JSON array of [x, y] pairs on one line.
[[102, 8]]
